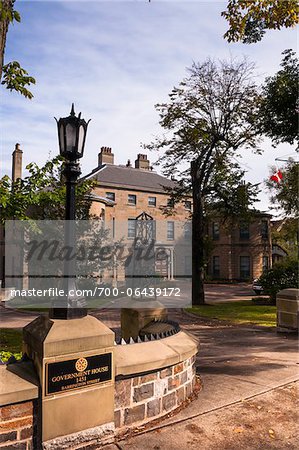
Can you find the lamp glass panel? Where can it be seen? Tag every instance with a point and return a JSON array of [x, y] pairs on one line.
[[61, 138], [70, 132], [81, 139]]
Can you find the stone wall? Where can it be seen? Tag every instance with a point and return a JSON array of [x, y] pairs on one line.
[[287, 302], [140, 399], [151, 379], [17, 422]]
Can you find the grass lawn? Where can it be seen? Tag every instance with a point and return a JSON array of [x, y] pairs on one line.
[[11, 340], [238, 313]]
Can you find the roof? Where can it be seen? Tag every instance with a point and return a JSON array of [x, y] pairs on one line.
[[110, 175], [278, 250], [96, 198]]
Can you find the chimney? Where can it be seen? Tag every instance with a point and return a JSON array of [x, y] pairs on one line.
[[142, 162], [16, 163], [106, 156]]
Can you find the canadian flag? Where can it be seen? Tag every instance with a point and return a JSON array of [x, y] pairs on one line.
[[277, 176]]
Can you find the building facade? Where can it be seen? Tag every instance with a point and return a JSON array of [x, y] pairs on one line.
[[136, 191], [239, 251]]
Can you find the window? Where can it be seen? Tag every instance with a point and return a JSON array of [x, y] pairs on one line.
[[264, 229], [170, 203], [188, 205], [244, 266], [152, 201], [131, 228], [154, 228], [188, 231], [170, 231], [132, 199], [110, 196], [216, 266], [244, 230], [215, 231], [265, 263]]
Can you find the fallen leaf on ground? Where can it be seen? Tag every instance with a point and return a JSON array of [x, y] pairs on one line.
[[271, 433], [238, 430]]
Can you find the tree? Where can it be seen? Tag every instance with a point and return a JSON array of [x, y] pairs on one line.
[[249, 19], [285, 234], [279, 106], [41, 195], [207, 120], [13, 76], [284, 195]]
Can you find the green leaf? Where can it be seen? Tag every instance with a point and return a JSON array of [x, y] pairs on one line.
[[16, 16]]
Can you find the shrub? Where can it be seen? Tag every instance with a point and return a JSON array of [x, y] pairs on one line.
[[5, 356], [282, 276]]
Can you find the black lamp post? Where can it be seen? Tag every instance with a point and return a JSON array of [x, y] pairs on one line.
[[71, 136]]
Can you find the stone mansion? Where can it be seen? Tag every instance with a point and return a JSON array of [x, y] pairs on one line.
[[123, 192]]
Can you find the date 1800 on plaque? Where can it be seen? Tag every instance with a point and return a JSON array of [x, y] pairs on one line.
[[78, 373]]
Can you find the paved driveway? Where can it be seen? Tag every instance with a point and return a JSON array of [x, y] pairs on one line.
[[249, 399], [215, 293]]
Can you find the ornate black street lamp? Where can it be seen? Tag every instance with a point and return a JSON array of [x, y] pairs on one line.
[[71, 136]]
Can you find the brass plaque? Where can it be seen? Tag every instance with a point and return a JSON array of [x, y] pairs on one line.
[[78, 373]]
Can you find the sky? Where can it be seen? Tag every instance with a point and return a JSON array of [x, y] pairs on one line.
[[115, 60]]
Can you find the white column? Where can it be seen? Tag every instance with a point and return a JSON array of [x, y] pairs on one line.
[[171, 263]]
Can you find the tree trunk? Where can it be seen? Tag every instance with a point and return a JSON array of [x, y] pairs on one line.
[[4, 22], [198, 260]]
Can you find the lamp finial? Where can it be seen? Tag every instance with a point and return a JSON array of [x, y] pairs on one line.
[[72, 110]]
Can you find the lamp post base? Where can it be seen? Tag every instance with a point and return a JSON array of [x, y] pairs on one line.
[[74, 362], [67, 313]]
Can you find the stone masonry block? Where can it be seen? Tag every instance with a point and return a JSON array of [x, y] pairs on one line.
[[169, 401], [10, 436], [143, 392], [153, 408], [190, 372], [136, 381], [117, 418], [11, 412], [14, 424], [180, 393], [26, 433], [148, 377], [188, 388], [135, 414], [174, 382], [161, 387], [123, 391], [15, 446], [178, 368], [183, 377], [166, 372]]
